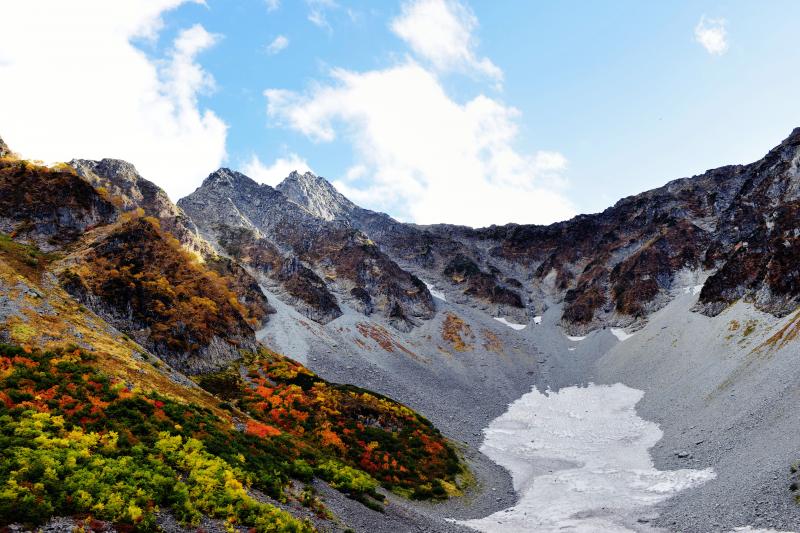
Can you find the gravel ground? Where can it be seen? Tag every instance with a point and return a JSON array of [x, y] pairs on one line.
[[722, 404], [460, 392]]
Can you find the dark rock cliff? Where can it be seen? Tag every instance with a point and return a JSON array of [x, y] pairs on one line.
[[314, 261]]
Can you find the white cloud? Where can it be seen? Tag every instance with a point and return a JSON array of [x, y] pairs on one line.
[[272, 5], [423, 156], [441, 31], [712, 35], [277, 171], [278, 43], [317, 12], [355, 172], [82, 90]]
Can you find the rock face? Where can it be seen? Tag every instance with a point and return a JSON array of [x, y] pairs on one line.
[[142, 281], [120, 182], [314, 262], [437, 255], [317, 196], [734, 224], [48, 207], [5, 151], [758, 249]]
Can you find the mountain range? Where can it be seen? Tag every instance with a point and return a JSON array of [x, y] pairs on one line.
[[282, 359]]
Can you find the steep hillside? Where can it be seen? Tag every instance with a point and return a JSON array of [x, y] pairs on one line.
[[129, 191], [51, 207], [433, 255], [139, 278], [100, 429]]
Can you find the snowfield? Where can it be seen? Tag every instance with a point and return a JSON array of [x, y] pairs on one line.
[[436, 293], [580, 462], [621, 334], [513, 326]]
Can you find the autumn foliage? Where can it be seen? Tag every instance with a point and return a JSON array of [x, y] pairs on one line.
[[73, 441], [141, 272], [457, 332], [372, 433]]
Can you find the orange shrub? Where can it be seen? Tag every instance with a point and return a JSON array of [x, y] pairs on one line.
[[261, 430]]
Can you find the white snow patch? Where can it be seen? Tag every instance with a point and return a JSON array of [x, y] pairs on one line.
[[436, 293], [579, 461], [751, 529], [537, 320], [694, 289], [575, 339], [510, 324], [621, 334]]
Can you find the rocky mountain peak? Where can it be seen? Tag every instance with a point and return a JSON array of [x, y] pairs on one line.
[[232, 180], [5, 151], [113, 169], [794, 137], [120, 180], [232, 184], [223, 177], [316, 195], [295, 243]]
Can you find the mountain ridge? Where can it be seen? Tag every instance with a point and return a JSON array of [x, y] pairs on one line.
[[607, 291]]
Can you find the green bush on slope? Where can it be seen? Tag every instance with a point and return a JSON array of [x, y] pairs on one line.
[[49, 470], [72, 442]]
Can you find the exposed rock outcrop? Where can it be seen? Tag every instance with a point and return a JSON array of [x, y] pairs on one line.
[[435, 253], [137, 276], [46, 206], [317, 196], [122, 184], [315, 262], [5, 151]]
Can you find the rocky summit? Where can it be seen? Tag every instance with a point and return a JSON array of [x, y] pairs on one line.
[[317, 262], [282, 359]]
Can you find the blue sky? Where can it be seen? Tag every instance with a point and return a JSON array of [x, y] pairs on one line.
[[569, 105]]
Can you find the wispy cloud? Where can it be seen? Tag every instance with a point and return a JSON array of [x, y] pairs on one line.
[[278, 44], [442, 32], [712, 35], [272, 5], [317, 12]]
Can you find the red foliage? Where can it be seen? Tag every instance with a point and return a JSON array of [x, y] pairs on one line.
[[261, 430]]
